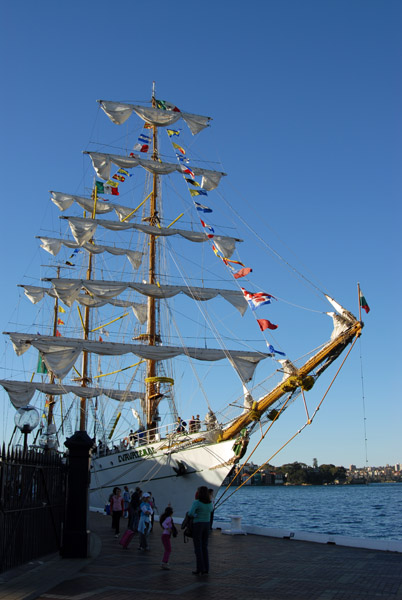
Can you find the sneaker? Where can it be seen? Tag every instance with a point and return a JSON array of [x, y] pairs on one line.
[[165, 566], [117, 535]]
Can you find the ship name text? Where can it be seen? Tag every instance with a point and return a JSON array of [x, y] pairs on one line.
[[141, 453]]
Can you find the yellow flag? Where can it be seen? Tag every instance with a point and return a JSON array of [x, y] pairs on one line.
[[179, 148], [61, 309]]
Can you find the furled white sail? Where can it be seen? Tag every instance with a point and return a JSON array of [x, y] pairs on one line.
[[83, 229], [140, 312], [102, 164], [60, 354], [102, 290], [53, 246], [342, 311], [22, 392], [119, 112], [340, 324], [36, 294], [64, 201]]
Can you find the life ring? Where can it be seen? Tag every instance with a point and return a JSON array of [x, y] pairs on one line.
[[126, 442]]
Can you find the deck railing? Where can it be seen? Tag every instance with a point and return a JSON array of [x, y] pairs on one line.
[[140, 438]]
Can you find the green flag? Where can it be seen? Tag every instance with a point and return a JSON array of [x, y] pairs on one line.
[[41, 368]]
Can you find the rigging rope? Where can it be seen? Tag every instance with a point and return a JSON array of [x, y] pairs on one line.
[[264, 243], [308, 422]]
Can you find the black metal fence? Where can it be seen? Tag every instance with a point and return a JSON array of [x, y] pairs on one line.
[[32, 499]]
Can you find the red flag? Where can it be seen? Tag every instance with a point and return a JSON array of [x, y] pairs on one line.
[[60, 322], [58, 334], [242, 272], [265, 324]]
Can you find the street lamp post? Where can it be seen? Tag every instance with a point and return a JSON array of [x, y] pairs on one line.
[[26, 419]]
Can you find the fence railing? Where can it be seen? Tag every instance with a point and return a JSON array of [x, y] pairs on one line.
[[32, 498]]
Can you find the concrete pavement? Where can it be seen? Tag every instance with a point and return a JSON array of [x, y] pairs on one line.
[[248, 567]]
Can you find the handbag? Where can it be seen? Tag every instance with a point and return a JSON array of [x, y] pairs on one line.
[[187, 525]]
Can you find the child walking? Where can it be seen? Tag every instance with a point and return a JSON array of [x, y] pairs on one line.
[[168, 527], [144, 526]]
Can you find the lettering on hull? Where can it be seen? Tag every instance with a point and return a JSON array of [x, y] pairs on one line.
[[141, 453]]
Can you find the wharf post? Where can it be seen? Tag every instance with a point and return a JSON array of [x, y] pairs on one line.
[[75, 540]]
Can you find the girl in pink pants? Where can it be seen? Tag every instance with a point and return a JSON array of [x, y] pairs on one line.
[[168, 527]]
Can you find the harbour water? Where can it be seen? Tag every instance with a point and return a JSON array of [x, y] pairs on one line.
[[362, 511]]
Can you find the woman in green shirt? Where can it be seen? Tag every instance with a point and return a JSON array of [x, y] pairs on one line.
[[201, 511]]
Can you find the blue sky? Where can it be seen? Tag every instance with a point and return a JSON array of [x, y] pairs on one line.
[[305, 98]]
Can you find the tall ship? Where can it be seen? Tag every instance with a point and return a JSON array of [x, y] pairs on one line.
[[154, 334]]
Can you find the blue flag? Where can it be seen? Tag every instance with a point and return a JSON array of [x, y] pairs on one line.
[[202, 208], [272, 349]]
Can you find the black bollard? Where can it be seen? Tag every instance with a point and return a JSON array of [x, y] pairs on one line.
[[75, 542]]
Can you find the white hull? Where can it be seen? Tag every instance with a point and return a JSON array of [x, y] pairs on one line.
[[151, 467]]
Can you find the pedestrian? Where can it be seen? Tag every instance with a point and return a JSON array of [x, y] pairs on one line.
[[169, 529], [126, 500], [134, 509], [144, 526], [197, 423], [109, 505], [154, 508], [116, 510], [191, 425], [201, 511], [181, 425]]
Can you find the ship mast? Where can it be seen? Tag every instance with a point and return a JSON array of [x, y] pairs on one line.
[[51, 399], [84, 376], [151, 308]]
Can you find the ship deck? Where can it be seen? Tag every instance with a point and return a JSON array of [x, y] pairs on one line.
[[241, 566]]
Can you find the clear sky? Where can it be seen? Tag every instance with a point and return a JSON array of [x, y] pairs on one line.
[[306, 101]]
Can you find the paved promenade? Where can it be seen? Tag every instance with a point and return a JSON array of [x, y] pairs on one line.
[[246, 567]]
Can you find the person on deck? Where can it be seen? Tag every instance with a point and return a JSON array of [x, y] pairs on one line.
[[191, 425], [210, 420], [141, 435], [201, 511], [181, 425]]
